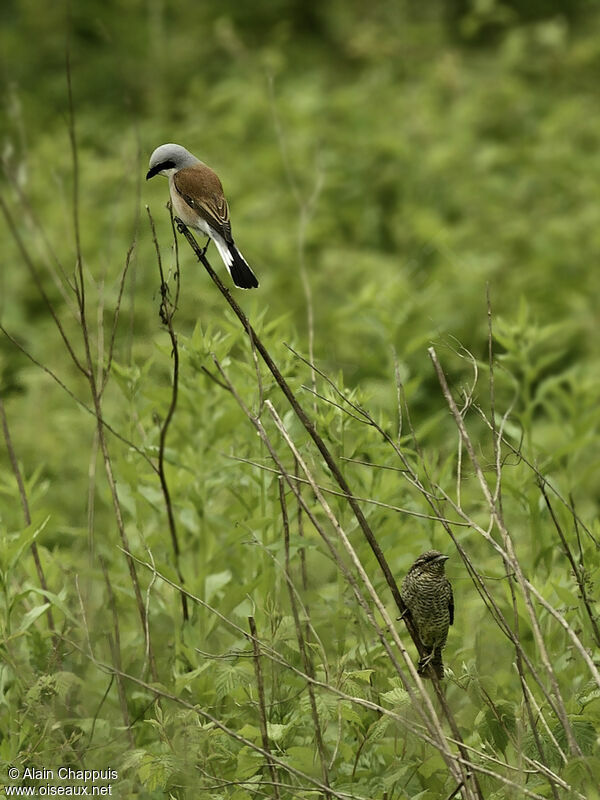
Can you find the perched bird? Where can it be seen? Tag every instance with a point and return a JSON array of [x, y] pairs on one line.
[[427, 594], [198, 200]]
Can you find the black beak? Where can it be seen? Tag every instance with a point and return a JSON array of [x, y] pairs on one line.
[[159, 168]]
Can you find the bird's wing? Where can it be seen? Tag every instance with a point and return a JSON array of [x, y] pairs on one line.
[[451, 604], [201, 189]]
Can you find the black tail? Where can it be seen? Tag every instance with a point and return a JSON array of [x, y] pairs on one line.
[[241, 274]]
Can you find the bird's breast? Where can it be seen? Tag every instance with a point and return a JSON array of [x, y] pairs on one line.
[[427, 598], [186, 214]]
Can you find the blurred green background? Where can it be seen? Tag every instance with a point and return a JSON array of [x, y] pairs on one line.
[[452, 146], [409, 155]]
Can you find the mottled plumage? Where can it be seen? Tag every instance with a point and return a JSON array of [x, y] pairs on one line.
[[427, 593]]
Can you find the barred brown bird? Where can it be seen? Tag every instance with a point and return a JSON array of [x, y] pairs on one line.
[[427, 594]]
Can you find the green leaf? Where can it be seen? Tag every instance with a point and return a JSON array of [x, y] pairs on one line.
[[248, 763], [495, 724], [361, 674], [565, 595], [276, 731], [56, 600], [216, 582], [30, 617], [349, 713], [13, 545], [396, 697], [379, 728], [154, 771], [302, 758], [431, 765], [251, 732]]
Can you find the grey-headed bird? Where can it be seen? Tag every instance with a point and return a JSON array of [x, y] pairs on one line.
[[198, 200]]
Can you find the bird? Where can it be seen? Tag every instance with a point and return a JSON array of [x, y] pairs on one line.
[[197, 199], [427, 595]]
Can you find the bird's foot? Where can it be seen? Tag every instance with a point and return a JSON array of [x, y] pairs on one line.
[[426, 660], [431, 663], [181, 226]]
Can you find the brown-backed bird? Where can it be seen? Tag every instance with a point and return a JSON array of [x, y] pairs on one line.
[[198, 200]]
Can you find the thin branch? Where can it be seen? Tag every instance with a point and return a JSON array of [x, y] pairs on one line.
[[57, 272], [38, 282], [79, 283], [565, 502], [25, 504], [262, 713], [335, 405], [577, 573], [116, 314], [167, 311], [306, 210], [369, 500], [300, 523], [115, 648], [361, 702], [352, 582], [214, 378], [160, 693], [508, 545], [77, 400], [306, 422], [95, 390], [306, 660], [329, 460], [91, 502]]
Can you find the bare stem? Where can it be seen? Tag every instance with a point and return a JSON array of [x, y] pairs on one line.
[[167, 312], [262, 711], [577, 571], [306, 660], [25, 504], [496, 516], [115, 648], [335, 471]]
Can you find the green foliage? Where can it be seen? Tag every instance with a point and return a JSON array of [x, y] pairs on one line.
[[409, 159]]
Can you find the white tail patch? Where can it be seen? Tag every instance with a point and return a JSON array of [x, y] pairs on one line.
[[224, 250], [236, 264]]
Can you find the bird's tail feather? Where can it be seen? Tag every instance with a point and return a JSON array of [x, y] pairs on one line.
[[236, 264]]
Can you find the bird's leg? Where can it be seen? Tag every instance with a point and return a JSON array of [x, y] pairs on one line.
[[431, 663], [205, 248], [426, 660]]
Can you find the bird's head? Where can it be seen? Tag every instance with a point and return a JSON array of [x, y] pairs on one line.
[[432, 563], [169, 158]]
